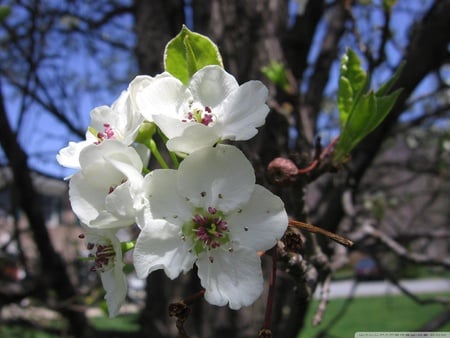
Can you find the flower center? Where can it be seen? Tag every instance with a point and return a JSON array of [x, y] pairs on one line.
[[199, 114], [103, 255], [113, 187], [107, 134], [207, 229]]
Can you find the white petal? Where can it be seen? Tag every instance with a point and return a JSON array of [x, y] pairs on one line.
[[103, 167], [261, 222], [211, 85], [138, 86], [219, 177], [113, 280], [115, 284], [101, 115], [194, 137], [134, 179], [120, 202], [170, 125], [69, 156], [121, 117], [231, 277], [159, 246], [110, 149], [85, 209], [160, 97], [244, 110], [107, 220], [165, 203], [143, 152]]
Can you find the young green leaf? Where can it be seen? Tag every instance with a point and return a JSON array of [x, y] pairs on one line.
[[276, 72], [360, 110], [188, 52], [352, 82]]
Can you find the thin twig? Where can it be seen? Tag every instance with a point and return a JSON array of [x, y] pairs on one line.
[[324, 296], [314, 229]]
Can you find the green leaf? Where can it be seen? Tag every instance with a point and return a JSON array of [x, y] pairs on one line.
[[127, 246], [389, 83], [360, 110], [388, 4], [276, 73], [352, 82], [5, 11], [188, 52]]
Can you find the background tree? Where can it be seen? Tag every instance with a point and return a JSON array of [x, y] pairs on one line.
[[43, 80]]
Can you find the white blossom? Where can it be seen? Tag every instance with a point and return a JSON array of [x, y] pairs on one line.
[[119, 122], [210, 212], [106, 192], [211, 108]]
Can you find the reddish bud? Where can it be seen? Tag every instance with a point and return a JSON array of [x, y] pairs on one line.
[[282, 171]]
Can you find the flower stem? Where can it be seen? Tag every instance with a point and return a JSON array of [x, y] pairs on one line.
[[151, 144], [271, 295], [191, 299], [172, 155], [174, 159]]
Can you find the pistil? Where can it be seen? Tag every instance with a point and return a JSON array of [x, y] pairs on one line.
[[207, 229]]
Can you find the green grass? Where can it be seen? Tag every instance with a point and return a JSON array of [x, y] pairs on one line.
[[387, 313], [124, 323]]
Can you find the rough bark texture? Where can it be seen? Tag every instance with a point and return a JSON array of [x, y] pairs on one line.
[[156, 23]]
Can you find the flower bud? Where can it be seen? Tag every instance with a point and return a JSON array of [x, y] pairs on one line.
[[146, 132], [282, 171]]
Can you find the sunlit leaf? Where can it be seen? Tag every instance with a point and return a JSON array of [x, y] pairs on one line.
[[276, 73], [352, 82], [188, 52], [360, 110]]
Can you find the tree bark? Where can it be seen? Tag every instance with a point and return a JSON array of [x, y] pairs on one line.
[[156, 22]]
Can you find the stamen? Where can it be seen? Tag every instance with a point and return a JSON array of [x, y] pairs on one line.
[[102, 254], [207, 229], [199, 114], [107, 134]]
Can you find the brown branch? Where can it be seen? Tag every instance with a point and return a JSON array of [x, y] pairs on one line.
[[310, 106], [324, 297], [317, 230], [387, 241], [437, 322]]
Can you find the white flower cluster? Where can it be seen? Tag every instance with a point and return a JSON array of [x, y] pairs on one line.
[[207, 212]]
